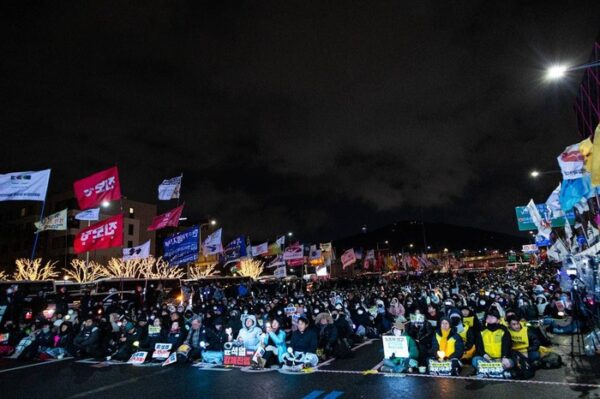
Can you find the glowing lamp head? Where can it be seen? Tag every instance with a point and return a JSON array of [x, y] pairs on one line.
[[556, 72]]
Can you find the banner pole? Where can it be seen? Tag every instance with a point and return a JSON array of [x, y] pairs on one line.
[[37, 233], [87, 253]]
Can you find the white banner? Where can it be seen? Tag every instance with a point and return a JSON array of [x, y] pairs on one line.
[[89, 214], [544, 227], [571, 162], [278, 261], [212, 245], [293, 253], [24, 186], [260, 249], [530, 248], [281, 241], [56, 221], [139, 252], [169, 188], [280, 272]]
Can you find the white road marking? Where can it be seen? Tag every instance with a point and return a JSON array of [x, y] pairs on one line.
[[35, 364]]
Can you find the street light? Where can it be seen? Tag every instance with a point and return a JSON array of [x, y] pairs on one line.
[[290, 234], [536, 173], [105, 204], [213, 222], [558, 71]]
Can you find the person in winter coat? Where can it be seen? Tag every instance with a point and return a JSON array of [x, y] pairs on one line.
[[250, 334], [397, 364], [396, 309], [128, 343], [327, 331], [466, 333], [196, 339], [304, 343], [176, 335], [63, 342], [216, 337], [274, 342], [157, 334], [87, 341], [493, 343], [447, 345]]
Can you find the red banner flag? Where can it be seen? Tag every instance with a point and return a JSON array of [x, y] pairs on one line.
[[105, 234], [102, 186], [170, 218]]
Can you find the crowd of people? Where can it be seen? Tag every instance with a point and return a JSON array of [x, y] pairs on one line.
[[501, 316]]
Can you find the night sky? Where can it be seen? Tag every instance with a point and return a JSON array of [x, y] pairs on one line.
[[311, 116]]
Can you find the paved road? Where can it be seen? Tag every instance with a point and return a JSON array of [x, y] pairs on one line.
[[339, 379]]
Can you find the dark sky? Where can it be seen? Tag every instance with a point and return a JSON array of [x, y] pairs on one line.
[[311, 116]]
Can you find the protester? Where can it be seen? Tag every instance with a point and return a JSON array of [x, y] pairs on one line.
[[398, 364], [493, 343]]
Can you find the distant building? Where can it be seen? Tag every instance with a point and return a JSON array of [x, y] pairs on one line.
[[17, 229], [587, 104]]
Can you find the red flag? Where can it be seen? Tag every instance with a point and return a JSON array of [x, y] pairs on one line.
[[102, 186], [105, 234], [170, 218]]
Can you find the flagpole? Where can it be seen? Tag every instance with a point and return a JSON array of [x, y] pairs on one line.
[[37, 233]]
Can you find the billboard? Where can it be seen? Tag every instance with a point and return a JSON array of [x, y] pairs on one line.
[[525, 223]]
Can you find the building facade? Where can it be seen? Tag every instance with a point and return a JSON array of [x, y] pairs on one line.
[[587, 104], [17, 231]]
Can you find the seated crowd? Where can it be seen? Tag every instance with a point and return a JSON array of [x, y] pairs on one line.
[[466, 320]]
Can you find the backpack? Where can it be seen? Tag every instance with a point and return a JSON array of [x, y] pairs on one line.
[[551, 361], [523, 369]]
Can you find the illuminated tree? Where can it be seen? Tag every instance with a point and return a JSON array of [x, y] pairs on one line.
[[118, 268], [3, 276], [250, 268], [82, 273], [201, 270], [160, 268], [34, 270]]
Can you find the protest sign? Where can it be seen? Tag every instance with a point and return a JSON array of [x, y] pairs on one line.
[[440, 368], [394, 346], [137, 358], [161, 351], [237, 356], [490, 370]]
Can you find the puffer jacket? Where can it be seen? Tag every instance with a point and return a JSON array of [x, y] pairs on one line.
[[250, 336]]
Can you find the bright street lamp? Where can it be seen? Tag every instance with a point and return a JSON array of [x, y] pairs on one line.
[[213, 222], [290, 234], [105, 204], [534, 173], [558, 71]]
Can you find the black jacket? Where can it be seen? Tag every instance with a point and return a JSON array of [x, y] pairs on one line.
[[304, 342]]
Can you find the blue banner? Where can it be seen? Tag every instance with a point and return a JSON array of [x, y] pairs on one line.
[[182, 248], [235, 250]]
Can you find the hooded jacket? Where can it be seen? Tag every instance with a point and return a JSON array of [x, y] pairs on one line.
[[250, 336], [449, 342]]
